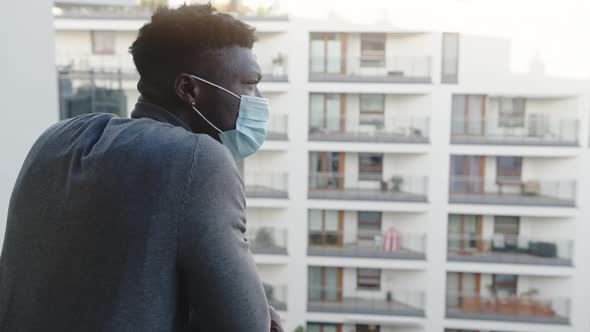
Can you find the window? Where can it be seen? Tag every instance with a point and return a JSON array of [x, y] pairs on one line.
[[372, 49], [326, 52], [372, 110], [323, 327], [450, 58], [325, 227], [367, 328], [325, 112], [507, 228], [103, 42], [370, 166], [505, 284], [509, 168], [511, 112], [368, 279], [369, 225]]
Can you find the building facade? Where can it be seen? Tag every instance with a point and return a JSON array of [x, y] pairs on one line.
[[410, 181]]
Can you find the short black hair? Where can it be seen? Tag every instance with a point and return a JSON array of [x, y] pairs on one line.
[[169, 44]]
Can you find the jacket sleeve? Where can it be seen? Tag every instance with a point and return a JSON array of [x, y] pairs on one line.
[[216, 267]]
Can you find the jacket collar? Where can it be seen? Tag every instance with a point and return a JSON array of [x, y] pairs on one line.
[[145, 109]]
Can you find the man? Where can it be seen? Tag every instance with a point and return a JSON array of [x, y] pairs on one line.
[[138, 224]]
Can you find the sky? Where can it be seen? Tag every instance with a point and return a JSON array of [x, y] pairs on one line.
[[556, 30]]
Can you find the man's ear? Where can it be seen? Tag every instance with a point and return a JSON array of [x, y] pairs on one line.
[[187, 89]]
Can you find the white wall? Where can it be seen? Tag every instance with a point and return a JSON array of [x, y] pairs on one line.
[[28, 85]]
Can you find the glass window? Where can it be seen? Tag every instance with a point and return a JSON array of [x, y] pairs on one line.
[[505, 284], [511, 112], [103, 42], [372, 49], [509, 168], [370, 166], [369, 279], [450, 57], [369, 225], [367, 328], [323, 327], [372, 110]]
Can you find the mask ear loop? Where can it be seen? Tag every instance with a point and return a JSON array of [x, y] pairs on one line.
[[204, 118]]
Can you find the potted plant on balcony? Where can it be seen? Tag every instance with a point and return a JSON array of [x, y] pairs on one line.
[[278, 65], [397, 182]]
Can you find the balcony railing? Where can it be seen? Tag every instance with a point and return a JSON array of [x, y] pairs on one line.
[[267, 240], [401, 130], [528, 309], [266, 185], [478, 190], [276, 295], [395, 188], [509, 250], [278, 126], [393, 69], [546, 131], [275, 69], [372, 302], [401, 246]]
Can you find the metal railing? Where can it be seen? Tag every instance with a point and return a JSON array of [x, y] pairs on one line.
[[278, 127], [267, 240], [276, 295], [499, 248], [397, 129], [547, 131], [266, 185], [384, 301], [406, 246], [517, 308], [400, 69], [481, 190], [96, 62], [275, 69], [394, 188]]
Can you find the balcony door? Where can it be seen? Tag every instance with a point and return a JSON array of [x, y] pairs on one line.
[[327, 113], [467, 174], [464, 233], [463, 289], [327, 53], [469, 114], [327, 170], [326, 227], [325, 284]]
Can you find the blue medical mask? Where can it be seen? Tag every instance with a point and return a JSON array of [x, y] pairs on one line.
[[251, 125]]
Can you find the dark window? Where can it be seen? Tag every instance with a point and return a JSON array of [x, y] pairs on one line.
[[372, 49], [509, 168], [369, 225], [368, 279], [370, 166], [511, 112]]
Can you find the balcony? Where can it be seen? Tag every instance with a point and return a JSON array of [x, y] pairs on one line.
[[404, 246], [274, 69], [267, 240], [509, 250], [545, 131], [396, 189], [402, 130], [531, 192], [394, 69], [522, 309], [266, 185], [278, 127], [276, 296], [379, 302]]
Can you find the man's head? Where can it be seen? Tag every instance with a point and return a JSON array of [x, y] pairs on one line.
[[196, 40]]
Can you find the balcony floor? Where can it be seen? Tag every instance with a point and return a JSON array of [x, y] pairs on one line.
[[367, 307], [523, 141], [257, 191], [507, 258], [457, 313], [367, 138], [268, 250], [277, 304], [366, 195], [509, 199], [364, 252], [276, 136]]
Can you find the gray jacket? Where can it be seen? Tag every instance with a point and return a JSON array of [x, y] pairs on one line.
[[129, 225]]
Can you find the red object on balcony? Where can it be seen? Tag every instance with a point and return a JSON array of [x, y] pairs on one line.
[[392, 240]]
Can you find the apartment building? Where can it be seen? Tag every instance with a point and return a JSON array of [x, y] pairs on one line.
[[410, 181]]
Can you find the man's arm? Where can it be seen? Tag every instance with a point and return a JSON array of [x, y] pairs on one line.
[[217, 267]]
